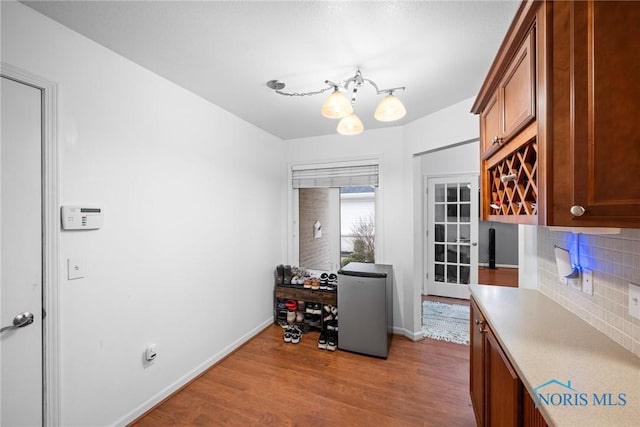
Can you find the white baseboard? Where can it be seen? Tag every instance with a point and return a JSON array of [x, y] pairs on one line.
[[181, 382], [413, 336], [498, 265]]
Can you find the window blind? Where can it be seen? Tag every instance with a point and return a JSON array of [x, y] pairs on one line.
[[343, 176]]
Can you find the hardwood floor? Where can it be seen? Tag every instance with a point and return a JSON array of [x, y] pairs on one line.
[[271, 383], [500, 276]]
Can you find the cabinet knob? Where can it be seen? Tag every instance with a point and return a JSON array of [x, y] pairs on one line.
[[577, 210], [496, 140]]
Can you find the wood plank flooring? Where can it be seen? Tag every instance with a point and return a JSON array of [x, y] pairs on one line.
[[271, 383], [500, 276]]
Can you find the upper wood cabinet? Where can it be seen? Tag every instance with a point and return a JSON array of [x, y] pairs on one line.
[[563, 93]]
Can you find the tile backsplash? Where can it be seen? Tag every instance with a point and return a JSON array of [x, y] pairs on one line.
[[615, 262]]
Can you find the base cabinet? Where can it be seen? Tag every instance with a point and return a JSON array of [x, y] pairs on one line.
[[497, 394]]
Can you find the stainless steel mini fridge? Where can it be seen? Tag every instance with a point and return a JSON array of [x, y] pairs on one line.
[[365, 304]]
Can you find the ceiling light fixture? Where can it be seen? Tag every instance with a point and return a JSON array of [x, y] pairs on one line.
[[339, 106]]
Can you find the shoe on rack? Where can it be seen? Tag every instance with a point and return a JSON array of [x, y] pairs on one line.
[[315, 283], [317, 309], [322, 340], [291, 317], [307, 283], [332, 341], [308, 318], [332, 283], [326, 313], [324, 281], [291, 305], [279, 274], [315, 320], [299, 317], [309, 308], [287, 275], [302, 305]]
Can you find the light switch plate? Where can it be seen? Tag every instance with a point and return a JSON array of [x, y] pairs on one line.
[[634, 300], [75, 268], [587, 281]]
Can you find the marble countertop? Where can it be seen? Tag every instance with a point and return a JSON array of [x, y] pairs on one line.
[[549, 345]]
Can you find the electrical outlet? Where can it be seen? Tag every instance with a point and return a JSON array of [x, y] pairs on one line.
[[634, 300], [575, 284], [587, 281]]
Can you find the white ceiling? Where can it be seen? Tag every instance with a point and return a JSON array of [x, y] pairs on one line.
[[226, 51]]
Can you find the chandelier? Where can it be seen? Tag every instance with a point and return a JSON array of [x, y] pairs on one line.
[[339, 106]]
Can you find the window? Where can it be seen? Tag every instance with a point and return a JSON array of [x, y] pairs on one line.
[[336, 208], [357, 224]]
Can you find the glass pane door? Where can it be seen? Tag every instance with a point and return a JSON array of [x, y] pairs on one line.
[[451, 235]]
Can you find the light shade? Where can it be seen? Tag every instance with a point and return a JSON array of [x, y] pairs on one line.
[[390, 109], [336, 106], [350, 125]]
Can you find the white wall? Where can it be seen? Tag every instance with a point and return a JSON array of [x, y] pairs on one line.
[[399, 216], [385, 145], [193, 199], [450, 126]]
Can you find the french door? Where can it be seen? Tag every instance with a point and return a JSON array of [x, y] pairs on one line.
[[451, 208]]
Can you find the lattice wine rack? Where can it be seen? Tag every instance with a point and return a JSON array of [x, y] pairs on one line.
[[514, 188]]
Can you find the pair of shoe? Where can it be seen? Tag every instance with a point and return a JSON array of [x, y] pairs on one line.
[[283, 275], [282, 318], [292, 334], [312, 308], [328, 340], [328, 282], [332, 282]]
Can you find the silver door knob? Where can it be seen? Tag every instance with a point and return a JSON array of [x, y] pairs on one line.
[[22, 319], [577, 210]]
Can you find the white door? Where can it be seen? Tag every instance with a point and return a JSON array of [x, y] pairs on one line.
[[451, 251], [21, 252]]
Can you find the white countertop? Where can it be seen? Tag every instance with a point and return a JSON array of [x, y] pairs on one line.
[[546, 342]]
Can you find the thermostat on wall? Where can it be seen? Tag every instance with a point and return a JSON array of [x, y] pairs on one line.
[[81, 217]]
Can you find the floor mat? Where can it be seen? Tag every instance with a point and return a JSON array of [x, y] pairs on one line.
[[446, 322]]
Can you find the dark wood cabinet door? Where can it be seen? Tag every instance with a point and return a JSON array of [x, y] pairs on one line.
[[490, 124], [476, 362], [531, 415], [502, 387], [601, 105], [517, 90]]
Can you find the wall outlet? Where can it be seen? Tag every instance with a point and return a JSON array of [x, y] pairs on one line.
[[575, 284], [634, 300], [587, 281]]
